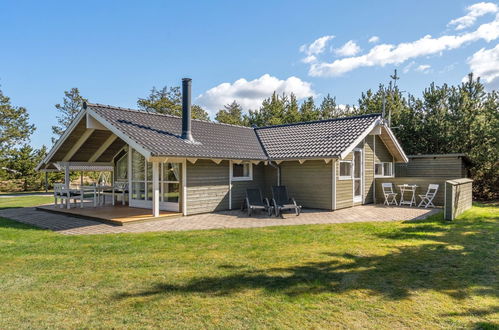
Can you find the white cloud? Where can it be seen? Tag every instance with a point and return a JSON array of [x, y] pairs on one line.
[[250, 94], [474, 11], [316, 47], [485, 64], [381, 55], [424, 68], [373, 39], [408, 67], [348, 49]]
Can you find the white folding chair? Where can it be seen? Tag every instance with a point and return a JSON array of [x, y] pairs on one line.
[[427, 199], [390, 195]]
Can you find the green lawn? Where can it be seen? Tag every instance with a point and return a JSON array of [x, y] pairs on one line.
[[379, 275]]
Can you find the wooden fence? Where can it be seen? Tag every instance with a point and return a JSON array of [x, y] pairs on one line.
[[458, 197], [422, 184]]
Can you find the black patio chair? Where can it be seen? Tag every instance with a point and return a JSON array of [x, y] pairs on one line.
[[254, 201], [281, 201]]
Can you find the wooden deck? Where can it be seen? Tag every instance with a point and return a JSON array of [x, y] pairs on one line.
[[117, 215]]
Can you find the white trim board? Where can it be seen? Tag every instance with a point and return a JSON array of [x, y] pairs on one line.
[[140, 149], [63, 138]]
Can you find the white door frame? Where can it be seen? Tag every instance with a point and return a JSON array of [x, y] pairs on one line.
[[148, 204], [357, 199]]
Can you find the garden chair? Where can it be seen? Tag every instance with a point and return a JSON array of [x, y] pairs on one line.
[[281, 201], [389, 194], [427, 199], [254, 201]]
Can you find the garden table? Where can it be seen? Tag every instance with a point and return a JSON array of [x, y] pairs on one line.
[[407, 188]]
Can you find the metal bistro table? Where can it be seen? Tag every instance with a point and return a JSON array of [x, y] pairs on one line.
[[408, 188]]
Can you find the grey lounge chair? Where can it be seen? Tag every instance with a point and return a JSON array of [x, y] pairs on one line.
[[254, 201], [281, 201]]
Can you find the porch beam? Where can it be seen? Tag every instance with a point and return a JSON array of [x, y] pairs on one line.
[[103, 148], [155, 189], [255, 162], [84, 137], [192, 160]]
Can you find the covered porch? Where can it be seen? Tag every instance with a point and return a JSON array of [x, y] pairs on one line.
[[139, 186]]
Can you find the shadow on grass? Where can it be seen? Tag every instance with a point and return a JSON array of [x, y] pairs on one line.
[[11, 224], [455, 259]]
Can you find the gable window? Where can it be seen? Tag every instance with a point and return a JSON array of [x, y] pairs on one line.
[[122, 168], [345, 170], [242, 172], [384, 169]]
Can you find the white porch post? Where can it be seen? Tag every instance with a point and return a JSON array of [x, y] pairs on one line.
[[155, 189], [66, 184]]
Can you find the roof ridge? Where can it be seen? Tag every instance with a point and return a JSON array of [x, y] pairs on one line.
[[160, 114], [320, 121]]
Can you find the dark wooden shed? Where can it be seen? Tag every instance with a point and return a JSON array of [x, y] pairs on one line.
[[434, 166]]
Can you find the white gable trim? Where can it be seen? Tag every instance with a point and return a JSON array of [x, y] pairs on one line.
[[397, 145], [63, 138], [359, 139], [143, 151]]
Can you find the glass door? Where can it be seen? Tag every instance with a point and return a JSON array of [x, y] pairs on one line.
[[141, 190], [357, 175]]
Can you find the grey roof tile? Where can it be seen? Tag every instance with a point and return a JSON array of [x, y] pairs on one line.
[[160, 134], [325, 138]]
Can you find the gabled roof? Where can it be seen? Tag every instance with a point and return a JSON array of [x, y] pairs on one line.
[[161, 135], [316, 139], [99, 132]]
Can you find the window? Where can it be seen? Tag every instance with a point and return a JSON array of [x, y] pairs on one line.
[[242, 172], [122, 168], [383, 169], [345, 170], [387, 169]]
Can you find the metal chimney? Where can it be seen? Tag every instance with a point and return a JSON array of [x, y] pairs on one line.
[[186, 109]]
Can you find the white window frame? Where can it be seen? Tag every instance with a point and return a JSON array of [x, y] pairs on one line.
[[383, 170], [241, 178], [340, 177]]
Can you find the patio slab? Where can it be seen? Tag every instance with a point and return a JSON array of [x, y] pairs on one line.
[[70, 225]]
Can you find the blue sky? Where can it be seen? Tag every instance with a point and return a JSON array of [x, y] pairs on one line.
[[115, 51]]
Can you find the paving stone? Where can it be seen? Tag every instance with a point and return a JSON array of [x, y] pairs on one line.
[[69, 225]]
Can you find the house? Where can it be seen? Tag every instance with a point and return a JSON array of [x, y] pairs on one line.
[[194, 166]]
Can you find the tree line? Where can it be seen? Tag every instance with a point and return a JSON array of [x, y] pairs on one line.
[[445, 119]]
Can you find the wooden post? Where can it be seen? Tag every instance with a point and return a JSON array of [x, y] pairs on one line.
[[66, 184], [46, 181], [155, 189], [81, 178]]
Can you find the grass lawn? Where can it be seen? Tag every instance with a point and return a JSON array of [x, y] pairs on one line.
[[423, 274]]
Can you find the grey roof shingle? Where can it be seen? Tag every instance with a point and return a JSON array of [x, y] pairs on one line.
[[161, 135], [325, 138]]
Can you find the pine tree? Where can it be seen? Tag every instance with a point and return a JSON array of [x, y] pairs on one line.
[[169, 101], [14, 125], [328, 108], [71, 105], [292, 111], [308, 111], [231, 114]]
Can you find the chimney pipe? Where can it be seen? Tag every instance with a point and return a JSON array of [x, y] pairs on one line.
[[186, 109]]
